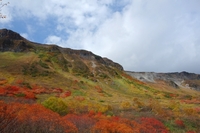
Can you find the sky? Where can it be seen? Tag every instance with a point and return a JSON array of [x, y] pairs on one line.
[[141, 35]]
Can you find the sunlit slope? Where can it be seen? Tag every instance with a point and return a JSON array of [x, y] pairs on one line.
[[90, 79], [79, 71], [85, 82]]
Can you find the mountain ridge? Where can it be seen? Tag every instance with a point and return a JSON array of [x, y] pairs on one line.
[[7, 44]]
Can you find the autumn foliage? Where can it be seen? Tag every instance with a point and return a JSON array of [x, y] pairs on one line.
[[84, 123], [65, 112], [153, 125], [16, 117], [179, 123], [28, 91], [56, 105], [106, 126], [16, 91], [120, 125]]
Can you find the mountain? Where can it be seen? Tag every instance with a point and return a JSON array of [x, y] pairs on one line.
[[45, 59], [47, 88], [12, 41], [176, 80]]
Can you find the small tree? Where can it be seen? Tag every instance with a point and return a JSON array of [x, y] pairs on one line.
[[1, 6]]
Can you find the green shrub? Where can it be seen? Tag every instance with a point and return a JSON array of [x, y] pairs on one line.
[[78, 93], [44, 65], [20, 95], [56, 105]]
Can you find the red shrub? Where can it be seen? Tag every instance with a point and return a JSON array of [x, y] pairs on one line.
[[8, 117], [68, 93], [29, 95], [13, 88], [99, 114], [15, 117], [155, 125], [115, 118], [2, 91], [84, 123], [91, 113], [65, 94], [179, 123], [37, 91]]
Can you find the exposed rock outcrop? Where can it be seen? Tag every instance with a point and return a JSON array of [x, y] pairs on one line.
[[175, 80], [5, 33]]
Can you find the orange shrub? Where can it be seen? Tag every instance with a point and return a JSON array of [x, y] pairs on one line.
[[84, 123], [79, 98], [3, 81], [153, 125], [99, 89], [8, 117], [29, 95], [106, 126], [15, 117], [44, 120], [91, 113]]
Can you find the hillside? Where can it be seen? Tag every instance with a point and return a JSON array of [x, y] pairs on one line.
[[177, 80], [89, 91]]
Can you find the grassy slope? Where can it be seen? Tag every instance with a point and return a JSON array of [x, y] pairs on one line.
[[127, 97]]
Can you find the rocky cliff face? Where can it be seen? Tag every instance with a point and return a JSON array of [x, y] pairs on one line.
[[9, 34], [12, 41], [90, 56], [176, 80]]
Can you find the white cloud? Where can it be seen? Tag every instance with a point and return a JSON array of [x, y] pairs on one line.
[[150, 36], [141, 35], [53, 40], [25, 35]]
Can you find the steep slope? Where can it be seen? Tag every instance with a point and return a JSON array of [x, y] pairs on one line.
[[50, 66], [12, 41], [37, 59]]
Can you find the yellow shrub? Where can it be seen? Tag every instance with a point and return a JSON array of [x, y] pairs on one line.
[[125, 105]]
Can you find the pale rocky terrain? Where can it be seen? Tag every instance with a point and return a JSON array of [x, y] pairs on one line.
[[176, 79]]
